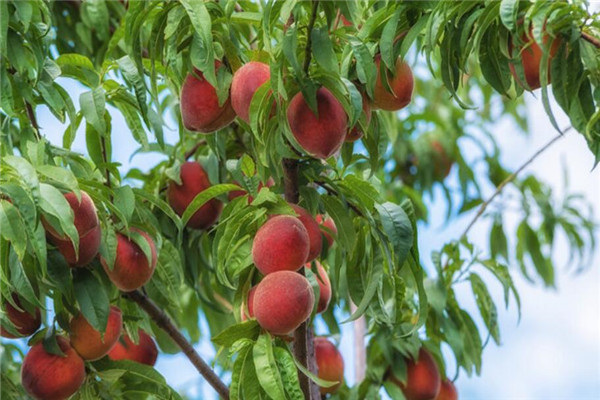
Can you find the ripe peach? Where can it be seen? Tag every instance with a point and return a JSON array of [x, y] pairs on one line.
[[200, 109], [246, 82], [447, 391], [401, 84], [91, 344], [442, 161], [88, 227], [531, 57], [327, 228], [249, 304], [144, 352], [330, 364], [282, 243], [356, 133], [131, 269], [194, 180], [283, 300], [323, 134], [313, 230], [25, 323], [324, 287], [46, 376], [237, 193], [423, 378]]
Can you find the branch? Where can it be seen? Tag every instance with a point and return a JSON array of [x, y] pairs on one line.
[[591, 39], [511, 178], [105, 159], [165, 323], [191, 151], [33, 120], [311, 24], [335, 193]]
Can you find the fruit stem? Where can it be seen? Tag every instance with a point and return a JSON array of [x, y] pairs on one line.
[[163, 321]]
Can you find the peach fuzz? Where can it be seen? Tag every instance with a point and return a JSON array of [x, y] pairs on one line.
[[245, 83], [401, 85], [283, 300], [194, 180], [200, 109], [131, 269], [86, 222], [145, 352], [319, 135], [91, 344], [330, 364], [46, 376], [282, 243]]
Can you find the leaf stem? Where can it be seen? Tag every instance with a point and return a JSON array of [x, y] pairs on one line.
[[165, 323]]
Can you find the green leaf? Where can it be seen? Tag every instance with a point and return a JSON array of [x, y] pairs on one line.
[[386, 43], [509, 10], [289, 373], [340, 215], [244, 330], [56, 207], [266, 368], [13, 228], [323, 50], [203, 197], [92, 299], [93, 107], [61, 176], [397, 227], [360, 189], [486, 306], [124, 200]]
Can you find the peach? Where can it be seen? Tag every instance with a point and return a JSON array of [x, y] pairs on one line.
[[131, 269], [356, 132], [145, 352], [25, 323], [200, 109], [324, 287], [320, 135], [245, 83], [447, 391], [401, 84], [283, 300], [46, 376], [237, 193], [91, 344], [249, 304], [327, 228], [531, 57], [88, 227], [330, 364], [194, 180], [442, 161], [282, 243], [313, 230], [423, 380]]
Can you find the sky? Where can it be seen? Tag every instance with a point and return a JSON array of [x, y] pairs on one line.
[[552, 354]]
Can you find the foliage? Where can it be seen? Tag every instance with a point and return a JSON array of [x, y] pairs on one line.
[[132, 58]]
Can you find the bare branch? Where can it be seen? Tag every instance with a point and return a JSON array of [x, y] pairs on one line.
[[166, 324], [591, 39]]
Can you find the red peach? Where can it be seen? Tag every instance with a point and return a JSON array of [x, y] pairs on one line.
[[282, 243], [442, 162], [531, 57], [423, 380], [401, 84], [283, 300], [330, 364], [91, 344], [327, 228], [447, 391], [320, 135], [200, 109], [246, 82], [25, 323], [249, 304], [145, 352], [313, 230], [131, 269], [324, 287], [46, 376], [194, 180]]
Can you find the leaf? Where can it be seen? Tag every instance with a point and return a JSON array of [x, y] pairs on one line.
[[56, 207], [486, 306], [93, 107], [289, 373], [323, 50], [244, 330], [386, 43], [360, 189], [13, 228], [60, 175], [205, 196], [92, 299], [509, 10], [124, 200], [266, 368], [340, 215], [397, 227]]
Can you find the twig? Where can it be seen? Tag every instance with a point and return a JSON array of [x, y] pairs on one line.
[[290, 180], [311, 24], [191, 152], [33, 120], [591, 39], [511, 178], [335, 193], [164, 322]]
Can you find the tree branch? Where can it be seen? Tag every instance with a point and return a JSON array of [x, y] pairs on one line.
[[311, 24], [165, 323], [192, 151], [591, 39], [511, 178], [33, 120], [105, 159]]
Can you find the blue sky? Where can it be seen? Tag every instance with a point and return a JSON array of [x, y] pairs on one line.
[[552, 354]]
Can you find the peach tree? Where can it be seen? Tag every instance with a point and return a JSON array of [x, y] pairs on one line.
[[300, 145]]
